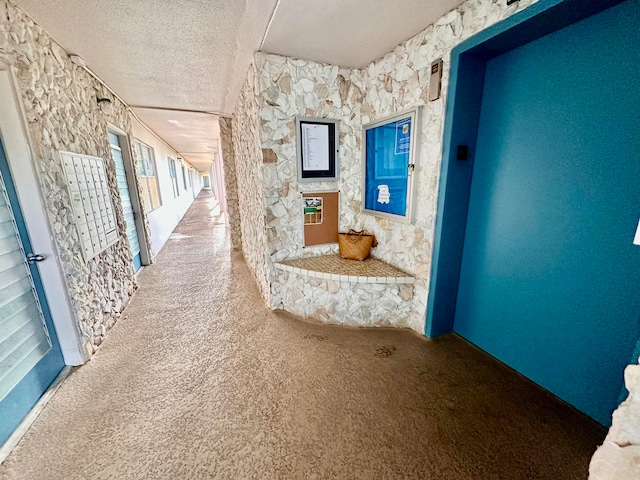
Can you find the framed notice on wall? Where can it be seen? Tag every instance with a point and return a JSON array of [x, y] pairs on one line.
[[317, 148], [320, 218], [389, 164]]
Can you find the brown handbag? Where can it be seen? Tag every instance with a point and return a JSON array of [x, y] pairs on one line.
[[356, 245]]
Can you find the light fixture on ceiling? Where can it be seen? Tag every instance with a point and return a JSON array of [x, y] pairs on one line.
[[106, 105]]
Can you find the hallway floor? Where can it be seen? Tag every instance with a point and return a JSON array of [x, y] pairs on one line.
[[199, 379]]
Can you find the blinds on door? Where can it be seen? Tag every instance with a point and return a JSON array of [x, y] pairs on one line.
[[24, 339], [125, 198]]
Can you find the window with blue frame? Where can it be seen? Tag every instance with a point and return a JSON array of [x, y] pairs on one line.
[[389, 165]]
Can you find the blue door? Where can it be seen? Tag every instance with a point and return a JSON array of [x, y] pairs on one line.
[[125, 198], [549, 282], [30, 357]]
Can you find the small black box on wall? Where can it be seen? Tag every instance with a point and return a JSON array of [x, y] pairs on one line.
[[462, 152]]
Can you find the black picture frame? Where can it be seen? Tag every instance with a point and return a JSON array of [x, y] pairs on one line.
[[317, 147]]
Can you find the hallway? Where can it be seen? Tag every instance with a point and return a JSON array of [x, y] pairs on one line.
[[199, 379]]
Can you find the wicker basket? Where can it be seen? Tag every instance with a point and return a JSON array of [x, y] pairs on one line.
[[355, 245]]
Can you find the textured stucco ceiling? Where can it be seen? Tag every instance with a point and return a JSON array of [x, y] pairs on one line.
[[188, 54], [349, 33], [175, 54], [193, 55], [193, 135]]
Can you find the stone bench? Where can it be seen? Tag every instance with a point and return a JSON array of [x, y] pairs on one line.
[[348, 292], [334, 267]]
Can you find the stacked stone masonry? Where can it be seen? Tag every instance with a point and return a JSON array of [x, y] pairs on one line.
[[334, 290], [281, 88], [59, 99], [230, 182], [619, 457], [250, 185]]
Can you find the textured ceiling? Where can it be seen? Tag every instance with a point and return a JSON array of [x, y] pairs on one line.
[[188, 54], [349, 33], [193, 135], [175, 54], [193, 55]]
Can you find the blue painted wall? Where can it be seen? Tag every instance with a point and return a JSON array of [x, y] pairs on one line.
[[549, 277]]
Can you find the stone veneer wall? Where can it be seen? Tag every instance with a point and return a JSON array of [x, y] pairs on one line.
[[286, 87], [345, 303], [230, 181], [619, 457], [250, 181], [62, 114]]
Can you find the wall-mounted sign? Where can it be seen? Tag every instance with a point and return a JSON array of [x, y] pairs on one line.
[[312, 210], [389, 164], [320, 211], [317, 149]]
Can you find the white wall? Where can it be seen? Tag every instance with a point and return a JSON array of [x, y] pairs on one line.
[[216, 176], [164, 219]]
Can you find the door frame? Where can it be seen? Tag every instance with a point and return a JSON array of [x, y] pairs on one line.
[[132, 184], [466, 86], [18, 149]]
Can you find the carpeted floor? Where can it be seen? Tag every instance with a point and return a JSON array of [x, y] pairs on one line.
[[200, 380]]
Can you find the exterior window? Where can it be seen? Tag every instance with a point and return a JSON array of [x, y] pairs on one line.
[[184, 177], [148, 176], [174, 176]]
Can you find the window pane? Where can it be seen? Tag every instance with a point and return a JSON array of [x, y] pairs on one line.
[[172, 174], [148, 201], [154, 192], [138, 148], [151, 168], [140, 163], [144, 164], [146, 167]]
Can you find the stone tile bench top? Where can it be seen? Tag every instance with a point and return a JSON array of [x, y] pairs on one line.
[[333, 267]]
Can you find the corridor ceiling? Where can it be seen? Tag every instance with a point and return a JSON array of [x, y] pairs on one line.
[[181, 63]]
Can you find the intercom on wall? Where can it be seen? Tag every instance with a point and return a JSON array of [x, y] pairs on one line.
[[435, 80]]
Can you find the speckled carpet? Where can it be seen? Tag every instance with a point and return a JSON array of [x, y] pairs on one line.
[[200, 380]]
